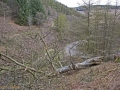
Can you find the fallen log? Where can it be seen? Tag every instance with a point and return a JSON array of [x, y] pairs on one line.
[[86, 63]]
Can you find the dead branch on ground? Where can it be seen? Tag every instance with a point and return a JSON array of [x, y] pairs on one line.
[[3, 56], [86, 63]]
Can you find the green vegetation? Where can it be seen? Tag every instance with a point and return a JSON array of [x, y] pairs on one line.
[[100, 26], [27, 10], [61, 25], [4, 0], [60, 7], [31, 57]]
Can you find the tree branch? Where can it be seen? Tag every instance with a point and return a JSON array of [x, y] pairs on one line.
[[18, 63]]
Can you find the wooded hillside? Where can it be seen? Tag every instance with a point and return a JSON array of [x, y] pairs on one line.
[[45, 45]]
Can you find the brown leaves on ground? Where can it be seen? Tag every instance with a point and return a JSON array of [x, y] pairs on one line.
[[8, 25], [102, 77]]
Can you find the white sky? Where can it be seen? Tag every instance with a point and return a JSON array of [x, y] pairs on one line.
[[73, 3]]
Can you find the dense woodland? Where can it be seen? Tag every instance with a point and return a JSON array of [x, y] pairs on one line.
[[45, 45]]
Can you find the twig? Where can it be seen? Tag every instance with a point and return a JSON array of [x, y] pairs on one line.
[[72, 63], [18, 63], [2, 68], [46, 49]]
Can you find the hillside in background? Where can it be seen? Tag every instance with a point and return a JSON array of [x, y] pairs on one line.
[[83, 8], [29, 11], [60, 7]]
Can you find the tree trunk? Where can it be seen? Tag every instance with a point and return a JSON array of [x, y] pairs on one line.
[[86, 63]]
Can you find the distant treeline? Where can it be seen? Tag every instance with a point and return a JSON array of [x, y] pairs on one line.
[[82, 8]]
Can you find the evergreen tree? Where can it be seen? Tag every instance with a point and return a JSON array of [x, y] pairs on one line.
[[27, 10]]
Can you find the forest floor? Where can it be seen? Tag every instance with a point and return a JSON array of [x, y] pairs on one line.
[[102, 77], [105, 76]]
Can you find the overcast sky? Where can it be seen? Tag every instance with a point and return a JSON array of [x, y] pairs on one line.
[[73, 3]]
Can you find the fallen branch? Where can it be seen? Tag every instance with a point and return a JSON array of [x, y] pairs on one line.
[[18, 63], [47, 52], [86, 63]]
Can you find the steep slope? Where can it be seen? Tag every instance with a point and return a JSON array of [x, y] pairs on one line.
[[34, 46]]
